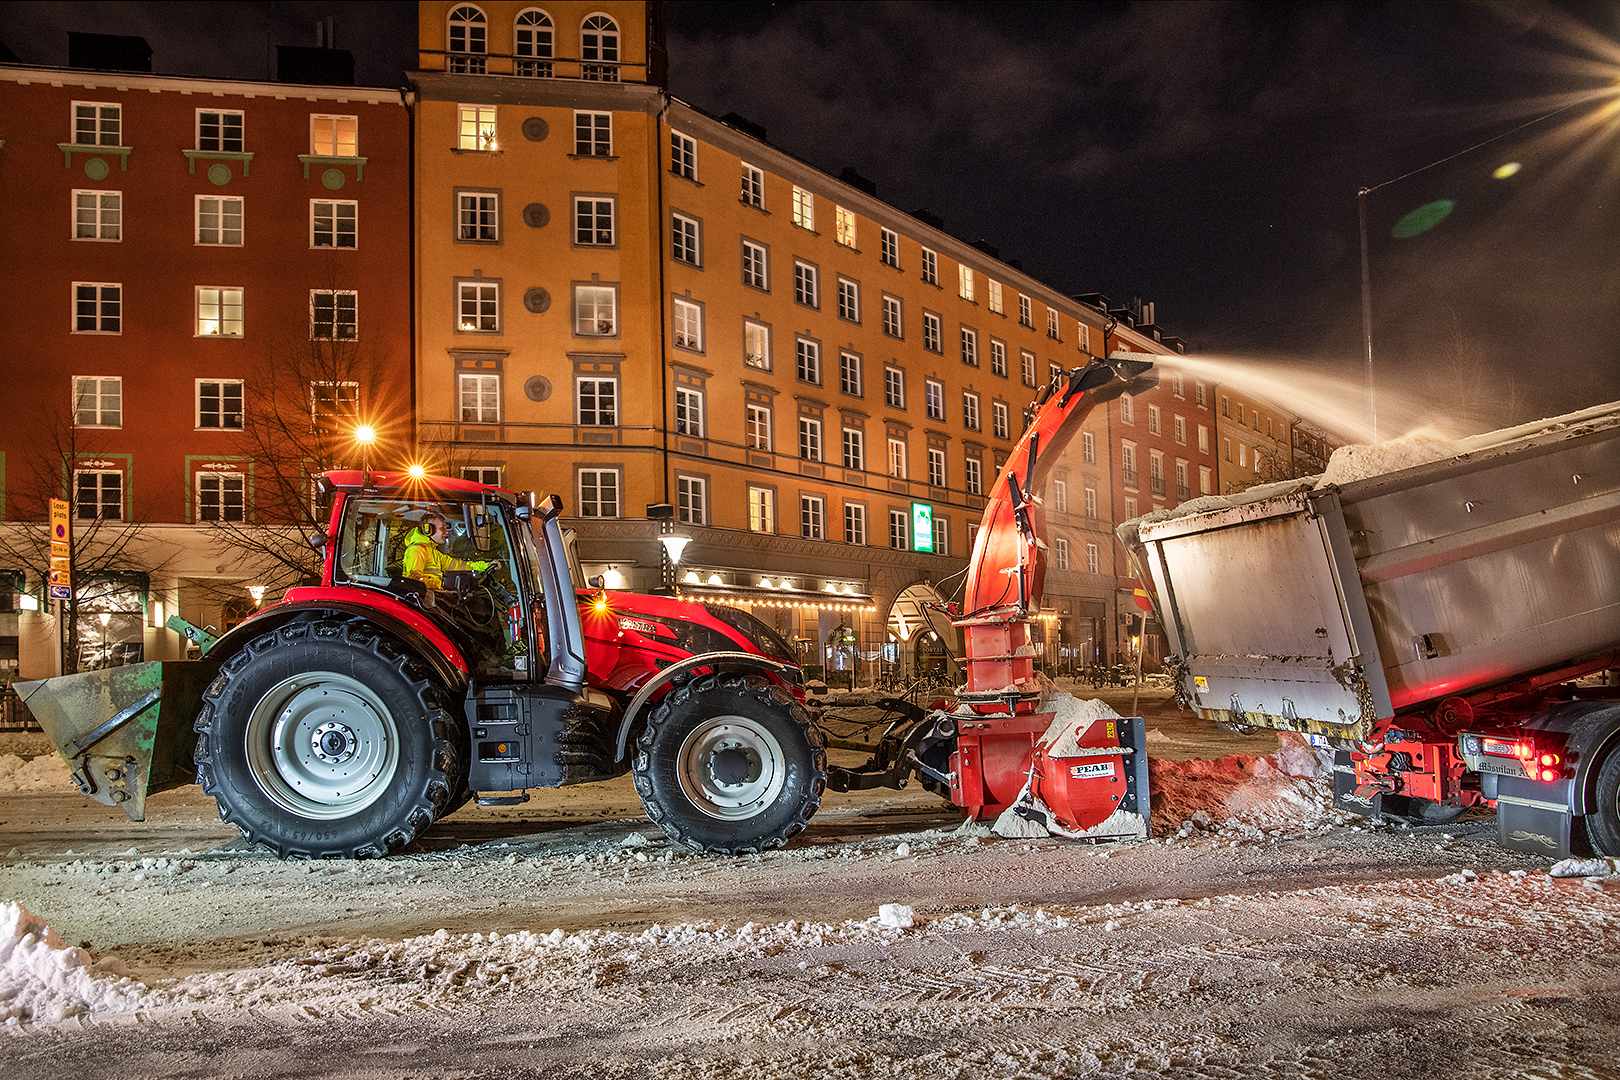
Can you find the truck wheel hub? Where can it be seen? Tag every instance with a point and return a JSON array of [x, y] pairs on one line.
[[334, 743]]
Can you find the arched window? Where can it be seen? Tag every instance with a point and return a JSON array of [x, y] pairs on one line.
[[469, 41], [532, 44], [599, 49]]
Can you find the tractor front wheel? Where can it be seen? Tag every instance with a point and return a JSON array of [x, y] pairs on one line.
[[730, 765], [322, 740]]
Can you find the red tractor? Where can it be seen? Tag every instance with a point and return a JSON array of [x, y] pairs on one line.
[[346, 719]]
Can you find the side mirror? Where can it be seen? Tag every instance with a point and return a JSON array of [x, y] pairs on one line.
[[318, 540]]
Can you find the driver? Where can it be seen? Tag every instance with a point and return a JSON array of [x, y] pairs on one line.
[[425, 557]]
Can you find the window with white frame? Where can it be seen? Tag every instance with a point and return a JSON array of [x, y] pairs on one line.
[[1178, 385], [683, 155], [599, 493], [596, 310], [97, 123], [594, 224], [890, 247], [1203, 439], [221, 496], [478, 307], [900, 530], [849, 373], [1093, 559], [479, 396], [854, 448], [1026, 311], [1060, 553], [98, 307], [1153, 419], [468, 41], [98, 401], [936, 466], [753, 186], [100, 495], [757, 428], [334, 223], [973, 475], [844, 226], [930, 266], [849, 300], [593, 134], [854, 524], [942, 535], [970, 347], [220, 311], [894, 387], [334, 136], [688, 325], [806, 289], [761, 509], [1130, 508], [809, 438], [1054, 373], [532, 43], [478, 216], [219, 131], [1205, 486], [1088, 448], [334, 314], [992, 295], [482, 474], [688, 412], [1026, 365], [756, 265], [964, 282], [897, 458], [1091, 502], [812, 517], [934, 399], [477, 128], [98, 215], [1180, 429], [599, 48], [596, 402], [684, 243], [1127, 464], [998, 358], [970, 410], [219, 404], [1127, 409], [1000, 420], [757, 345], [809, 361], [1199, 394], [1183, 491], [692, 500], [893, 322], [334, 407], [804, 209], [1060, 497], [933, 333]]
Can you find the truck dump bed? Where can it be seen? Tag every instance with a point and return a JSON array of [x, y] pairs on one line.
[[1316, 607]]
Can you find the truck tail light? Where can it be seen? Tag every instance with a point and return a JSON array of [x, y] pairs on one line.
[[1548, 767]]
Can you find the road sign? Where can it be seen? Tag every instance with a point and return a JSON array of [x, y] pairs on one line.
[[61, 583]]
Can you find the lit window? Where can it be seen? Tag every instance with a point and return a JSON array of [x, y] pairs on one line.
[[219, 311], [593, 134], [477, 130], [219, 405], [220, 132], [761, 510], [688, 412], [334, 315], [98, 215], [480, 398], [221, 496], [333, 224], [478, 216], [596, 310], [468, 41], [992, 294], [890, 248], [98, 401], [684, 244], [598, 402], [683, 155], [753, 186], [593, 222], [757, 345], [844, 226], [98, 308], [599, 48], [804, 209], [478, 307], [964, 282], [97, 123], [599, 493], [334, 136], [688, 325], [532, 40], [854, 524]]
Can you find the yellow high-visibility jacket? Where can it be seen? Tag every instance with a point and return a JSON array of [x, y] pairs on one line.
[[427, 564]]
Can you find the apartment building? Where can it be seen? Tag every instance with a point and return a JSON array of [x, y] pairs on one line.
[[1256, 441]]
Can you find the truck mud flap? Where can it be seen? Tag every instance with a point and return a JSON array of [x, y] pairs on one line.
[[1535, 818], [125, 732], [1345, 796]]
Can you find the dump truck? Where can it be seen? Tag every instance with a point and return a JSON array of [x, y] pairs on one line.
[[1445, 627], [345, 719]]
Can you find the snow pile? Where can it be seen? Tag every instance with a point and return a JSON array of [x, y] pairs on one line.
[[1587, 868], [47, 772], [1290, 788], [43, 979], [1358, 462]]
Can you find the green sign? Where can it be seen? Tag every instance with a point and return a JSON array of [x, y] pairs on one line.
[[922, 527]]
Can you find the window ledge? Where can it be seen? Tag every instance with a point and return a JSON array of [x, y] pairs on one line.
[[86, 149], [594, 157], [194, 156], [359, 164]]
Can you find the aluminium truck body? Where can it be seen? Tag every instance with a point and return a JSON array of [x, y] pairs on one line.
[[1412, 609]]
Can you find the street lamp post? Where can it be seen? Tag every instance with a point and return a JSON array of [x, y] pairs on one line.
[[364, 436], [106, 657]]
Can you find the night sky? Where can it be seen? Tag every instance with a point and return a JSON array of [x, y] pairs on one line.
[[1202, 156]]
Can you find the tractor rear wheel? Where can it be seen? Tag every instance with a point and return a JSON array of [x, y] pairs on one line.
[[322, 740], [730, 765]]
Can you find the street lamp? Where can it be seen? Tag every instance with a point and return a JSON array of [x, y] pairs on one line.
[[364, 436], [673, 546], [106, 657]]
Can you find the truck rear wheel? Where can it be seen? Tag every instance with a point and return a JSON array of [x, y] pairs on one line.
[[1603, 827], [321, 740], [730, 765]]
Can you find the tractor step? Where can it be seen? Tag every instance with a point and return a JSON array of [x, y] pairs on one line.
[[503, 800]]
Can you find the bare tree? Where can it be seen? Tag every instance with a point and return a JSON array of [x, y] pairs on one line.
[[109, 547]]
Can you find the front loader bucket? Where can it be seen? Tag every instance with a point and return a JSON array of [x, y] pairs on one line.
[[126, 732]]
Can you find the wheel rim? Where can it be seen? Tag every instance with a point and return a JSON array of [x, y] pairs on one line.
[[731, 767], [322, 745]]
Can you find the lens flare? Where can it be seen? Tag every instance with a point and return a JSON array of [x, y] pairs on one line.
[[1423, 219], [1506, 170]]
